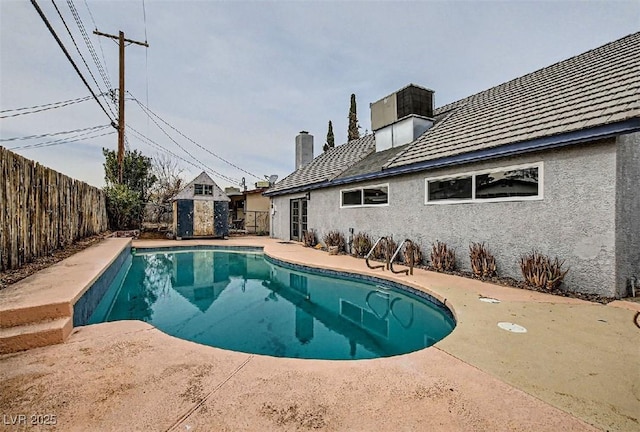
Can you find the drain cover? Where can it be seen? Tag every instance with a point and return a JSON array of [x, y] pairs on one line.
[[489, 300], [514, 328]]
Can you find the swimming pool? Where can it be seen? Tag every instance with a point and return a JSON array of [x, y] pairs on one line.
[[244, 301]]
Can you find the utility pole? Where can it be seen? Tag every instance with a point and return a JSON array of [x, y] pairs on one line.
[[121, 40]]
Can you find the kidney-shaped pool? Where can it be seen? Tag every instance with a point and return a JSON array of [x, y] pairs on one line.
[[245, 301]]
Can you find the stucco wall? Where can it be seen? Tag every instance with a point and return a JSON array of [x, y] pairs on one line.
[[280, 217], [628, 212], [575, 221]]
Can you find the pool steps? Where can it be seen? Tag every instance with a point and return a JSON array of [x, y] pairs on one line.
[[41, 309]]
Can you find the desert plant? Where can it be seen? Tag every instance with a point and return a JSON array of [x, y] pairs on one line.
[[361, 244], [384, 249], [417, 253], [483, 263], [442, 258], [309, 238], [334, 238], [541, 271]]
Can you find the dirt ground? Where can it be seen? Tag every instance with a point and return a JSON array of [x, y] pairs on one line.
[[12, 276]]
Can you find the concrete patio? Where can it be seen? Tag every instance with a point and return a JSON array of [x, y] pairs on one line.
[[576, 368]]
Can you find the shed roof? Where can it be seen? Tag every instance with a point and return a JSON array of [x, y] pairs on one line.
[[188, 191]]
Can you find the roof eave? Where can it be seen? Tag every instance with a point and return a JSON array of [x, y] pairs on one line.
[[522, 147]]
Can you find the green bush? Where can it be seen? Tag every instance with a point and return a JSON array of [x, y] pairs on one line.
[[125, 207]]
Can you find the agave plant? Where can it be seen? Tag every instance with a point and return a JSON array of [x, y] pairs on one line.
[[361, 244], [483, 263], [541, 271], [442, 258]]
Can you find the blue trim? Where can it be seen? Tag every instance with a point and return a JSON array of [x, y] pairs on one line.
[[522, 147], [365, 278], [87, 303]]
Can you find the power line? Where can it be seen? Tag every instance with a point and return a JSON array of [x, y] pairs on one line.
[[80, 53], [44, 107], [60, 141], [153, 143], [87, 41], [92, 128], [147, 111], [177, 143], [95, 26], [66, 53]]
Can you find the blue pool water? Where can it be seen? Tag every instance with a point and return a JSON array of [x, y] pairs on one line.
[[244, 301]]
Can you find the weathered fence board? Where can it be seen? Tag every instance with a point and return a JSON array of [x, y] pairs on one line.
[[42, 210]]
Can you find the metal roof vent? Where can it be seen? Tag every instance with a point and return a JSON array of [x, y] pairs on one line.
[[402, 116]]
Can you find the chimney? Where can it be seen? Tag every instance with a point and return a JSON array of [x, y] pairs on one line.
[[304, 149], [402, 117]]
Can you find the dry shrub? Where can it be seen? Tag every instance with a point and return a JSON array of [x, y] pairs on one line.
[[417, 253], [384, 249], [361, 244], [541, 271], [442, 258], [483, 263], [309, 238], [334, 238]]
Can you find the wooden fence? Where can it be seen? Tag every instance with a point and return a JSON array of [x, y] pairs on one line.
[[42, 210]]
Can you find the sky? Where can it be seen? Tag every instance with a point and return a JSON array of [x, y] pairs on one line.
[[239, 79]]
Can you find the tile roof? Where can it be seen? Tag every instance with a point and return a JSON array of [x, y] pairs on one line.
[[596, 88], [328, 165]]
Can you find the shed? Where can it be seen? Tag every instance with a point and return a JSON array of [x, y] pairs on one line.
[[201, 209]]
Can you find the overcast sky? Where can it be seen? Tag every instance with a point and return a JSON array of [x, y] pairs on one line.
[[243, 78]]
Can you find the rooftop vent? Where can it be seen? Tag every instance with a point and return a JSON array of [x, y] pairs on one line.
[[402, 116]]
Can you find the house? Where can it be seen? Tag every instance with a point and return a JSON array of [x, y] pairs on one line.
[[549, 161], [249, 210], [201, 209]]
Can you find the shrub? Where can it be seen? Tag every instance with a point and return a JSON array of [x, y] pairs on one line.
[[361, 244], [334, 238], [541, 271], [483, 263], [124, 207], [309, 238], [442, 258], [417, 254], [384, 249]]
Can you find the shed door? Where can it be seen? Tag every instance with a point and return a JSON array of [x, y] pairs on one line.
[[184, 218], [221, 218], [203, 218]]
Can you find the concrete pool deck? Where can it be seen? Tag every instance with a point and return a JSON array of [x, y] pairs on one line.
[[576, 368]]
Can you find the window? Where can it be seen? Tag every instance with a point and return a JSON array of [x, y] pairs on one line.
[[367, 196], [203, 189], [450, 189], [516, 183]]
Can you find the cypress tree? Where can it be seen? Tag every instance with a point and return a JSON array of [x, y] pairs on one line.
[[353, 132], [330, 139]]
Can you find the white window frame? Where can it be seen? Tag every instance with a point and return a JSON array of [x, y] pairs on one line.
[[361, 189], [473, 174], [205, 187]]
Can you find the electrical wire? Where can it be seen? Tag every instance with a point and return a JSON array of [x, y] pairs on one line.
[[81, 56], [95, 26], [200, 165], [148, 111], [60, 141], [66, 53], [92, 128], [89, 45], [44, 107]]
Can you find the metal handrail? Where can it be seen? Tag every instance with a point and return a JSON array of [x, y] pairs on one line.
[[408, 271], [382, 266]]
